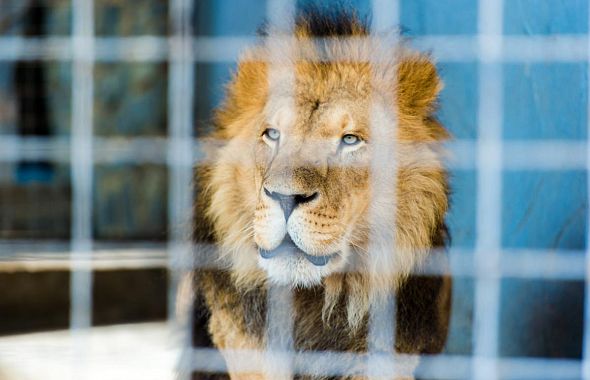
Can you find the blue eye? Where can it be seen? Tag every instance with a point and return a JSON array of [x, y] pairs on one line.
[[350, 140], [272, 134]]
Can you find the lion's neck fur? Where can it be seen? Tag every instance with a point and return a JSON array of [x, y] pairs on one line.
[[249, 307], [331, 316], [342, 299]]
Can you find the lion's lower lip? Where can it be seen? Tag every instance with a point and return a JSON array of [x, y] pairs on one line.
[[287, 247], [319, 261]]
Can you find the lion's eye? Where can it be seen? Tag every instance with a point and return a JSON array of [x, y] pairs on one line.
[[350, 140], [272, 134]]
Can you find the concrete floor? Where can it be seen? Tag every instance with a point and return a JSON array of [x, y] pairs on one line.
[[140, 351]]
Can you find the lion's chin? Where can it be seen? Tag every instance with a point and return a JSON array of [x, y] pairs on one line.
[[295, 271]]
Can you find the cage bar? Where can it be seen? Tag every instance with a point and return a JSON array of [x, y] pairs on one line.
[[586, 341], [489, 190], [220, 49], [81, 177], [180, 161], [431, 366], [383, 124], [461, 154], [278, 353]]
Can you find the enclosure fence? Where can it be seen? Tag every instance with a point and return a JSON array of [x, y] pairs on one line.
[[488, 154]]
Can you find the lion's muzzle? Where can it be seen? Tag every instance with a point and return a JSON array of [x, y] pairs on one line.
[[288, 248]]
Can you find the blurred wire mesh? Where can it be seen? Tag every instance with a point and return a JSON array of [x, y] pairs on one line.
[[144, 60]]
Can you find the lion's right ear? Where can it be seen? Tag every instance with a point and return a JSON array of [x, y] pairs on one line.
[[418, 85], [246, 94]]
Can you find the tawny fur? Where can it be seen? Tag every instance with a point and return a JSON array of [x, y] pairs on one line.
[[314, 94]]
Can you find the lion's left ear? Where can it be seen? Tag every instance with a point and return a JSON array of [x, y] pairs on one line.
[[418, 85]]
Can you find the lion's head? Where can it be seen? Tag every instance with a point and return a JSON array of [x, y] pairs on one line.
[[326, 157]]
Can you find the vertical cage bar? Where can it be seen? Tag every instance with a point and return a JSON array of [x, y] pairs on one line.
[[278, 358], [383, 124], [385, 15], [586, 342], [279, 333], [489, 190], [180, 159], [281, 13], [81, 166], [81, 176]]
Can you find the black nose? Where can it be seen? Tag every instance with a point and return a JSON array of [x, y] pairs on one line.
[[288, 202]]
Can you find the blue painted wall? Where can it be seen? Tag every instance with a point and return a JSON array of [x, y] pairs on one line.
[[541, 209]]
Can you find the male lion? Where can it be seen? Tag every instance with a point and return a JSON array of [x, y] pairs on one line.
[[296, 194]]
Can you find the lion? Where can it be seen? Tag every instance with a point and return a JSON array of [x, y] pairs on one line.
[[295, 194]]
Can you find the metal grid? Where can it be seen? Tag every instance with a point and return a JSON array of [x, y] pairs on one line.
[[489, 155]]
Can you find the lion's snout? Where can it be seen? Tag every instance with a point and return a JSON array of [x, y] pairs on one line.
[[288, 202], [297, 216]]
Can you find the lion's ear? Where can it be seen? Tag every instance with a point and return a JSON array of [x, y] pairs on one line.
[[245, 95], [418, 85]]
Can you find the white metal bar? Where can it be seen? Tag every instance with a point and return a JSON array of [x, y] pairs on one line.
[[586, 339], [521, 155], [281, 14], [327, 363], [278, 362], [489, 190], [132, 150], [38, 260], [554, 48], [180, 160], [81, 152], [81, 176], [385, 16], [445, 48], [382, 244], [278, 358], [514, 263], [518, 155]]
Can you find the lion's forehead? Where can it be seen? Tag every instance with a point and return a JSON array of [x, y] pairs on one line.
[[324, 78], [330, 89]]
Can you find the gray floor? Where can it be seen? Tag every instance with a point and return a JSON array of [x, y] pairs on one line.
[[139, 351]]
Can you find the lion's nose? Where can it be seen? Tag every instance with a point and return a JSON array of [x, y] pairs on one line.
[[289, 202]]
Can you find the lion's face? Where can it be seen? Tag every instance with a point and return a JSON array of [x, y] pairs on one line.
[[312, 183], [292, 191]]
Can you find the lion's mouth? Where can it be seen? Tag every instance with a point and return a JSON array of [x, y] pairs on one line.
[[288, 248]]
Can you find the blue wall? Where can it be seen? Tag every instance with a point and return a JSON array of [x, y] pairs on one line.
[[541, 209]]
